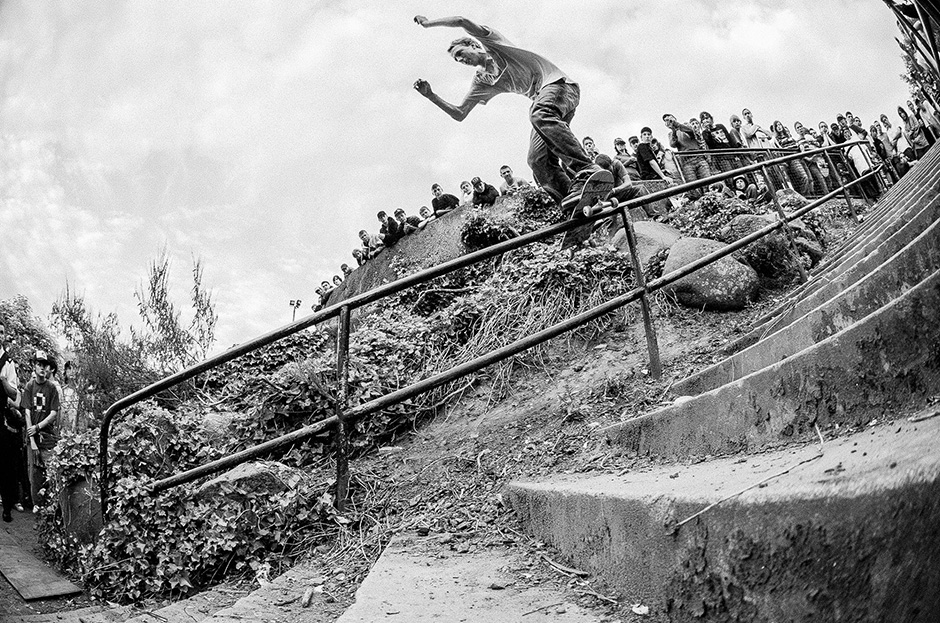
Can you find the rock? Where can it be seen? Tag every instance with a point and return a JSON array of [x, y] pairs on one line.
[[790, 199], [771, 256], [266, 477], [638, 214], [812, 249], [723, 285], [81, 511], [217, 425], [651, 238]]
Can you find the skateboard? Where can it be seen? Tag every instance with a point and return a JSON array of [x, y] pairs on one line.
[[595, 191]]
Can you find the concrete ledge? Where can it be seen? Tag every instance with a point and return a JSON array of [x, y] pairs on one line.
[[888, 361], [901, 272], [851, 536]]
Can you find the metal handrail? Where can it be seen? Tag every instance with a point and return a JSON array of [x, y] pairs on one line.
[[402, 284]]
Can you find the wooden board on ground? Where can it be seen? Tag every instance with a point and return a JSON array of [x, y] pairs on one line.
[[31, 577], [594, 191]]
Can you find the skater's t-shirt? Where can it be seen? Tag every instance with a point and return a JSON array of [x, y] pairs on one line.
[[519, 71]]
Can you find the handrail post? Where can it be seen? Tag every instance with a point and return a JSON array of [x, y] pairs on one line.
[[342, 432], [845, 191], [652, 343], [789, 232]]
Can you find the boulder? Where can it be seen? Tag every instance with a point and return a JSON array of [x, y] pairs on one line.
[[771, 255], [723, 285], [264, 478], [651, 238], [790, 199], [217, 424], [81, 511]]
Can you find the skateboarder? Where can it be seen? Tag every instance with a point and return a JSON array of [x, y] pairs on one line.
[[505, 68]]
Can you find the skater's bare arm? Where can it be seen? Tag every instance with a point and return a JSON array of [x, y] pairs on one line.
[[458, 113], [473, 29]]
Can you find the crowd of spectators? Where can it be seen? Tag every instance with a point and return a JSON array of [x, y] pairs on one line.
[[696, 149]]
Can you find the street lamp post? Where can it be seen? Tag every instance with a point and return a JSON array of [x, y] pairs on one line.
[[294, 304]]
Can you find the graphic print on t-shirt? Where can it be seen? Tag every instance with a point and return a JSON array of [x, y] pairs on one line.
[[39, 402]]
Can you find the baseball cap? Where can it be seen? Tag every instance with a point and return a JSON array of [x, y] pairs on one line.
[[476, 180], [42, 356]]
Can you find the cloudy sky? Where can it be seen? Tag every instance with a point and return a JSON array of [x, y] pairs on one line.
[[260, 136]]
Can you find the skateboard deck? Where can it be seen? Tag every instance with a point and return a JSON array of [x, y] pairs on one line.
[[596, 189]]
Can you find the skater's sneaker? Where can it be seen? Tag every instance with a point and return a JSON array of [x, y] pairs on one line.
[[19, 507], [577, 185], [7, 517]]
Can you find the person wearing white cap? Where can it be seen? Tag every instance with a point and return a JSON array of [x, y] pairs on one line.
[[41, 401]]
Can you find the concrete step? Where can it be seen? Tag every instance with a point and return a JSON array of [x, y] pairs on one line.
[[916, 211], [904, 270], [852, 535], [417, 580], [90, 614], [887, 362]]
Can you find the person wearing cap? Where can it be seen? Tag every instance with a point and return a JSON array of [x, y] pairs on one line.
[[10, 430], [409, 224], [503, 67], [41, 402], [484, 195]]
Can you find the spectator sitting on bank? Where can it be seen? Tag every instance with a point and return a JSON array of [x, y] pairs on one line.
[[426, 215], [346, 269], [325, 289], [337, 281], [667, 161], [749, 192], [443, 202], [484, 195], [466, 198], [360, 258], [319, 304], [510, 181], [390, 232], [371, 245], [722, 189], [624, 189], [409, 224], [622, 153], [589, 147], [646, 159]]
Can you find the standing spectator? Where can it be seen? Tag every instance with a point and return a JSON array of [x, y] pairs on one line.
[[347, 271], [836, 133], [825, 137], [682, 138], [799, 176], [697, 129], [646, 159], [506, 68], [510, 181], [915, 113], [876, 134], [484, 195], [666, 159], [914, 134], [10, 427], [716, 137], [41, 402], [390, 232], [735, 131], [466, 198], [754, 135], [889, 137], [443, 202], [69, 418], [927, 117]]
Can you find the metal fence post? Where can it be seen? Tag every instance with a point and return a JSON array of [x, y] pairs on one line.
[[786, 228], [342, 433], [845, 191], [652, 343]]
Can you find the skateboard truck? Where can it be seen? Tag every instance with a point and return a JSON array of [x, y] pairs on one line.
[[599, 205]]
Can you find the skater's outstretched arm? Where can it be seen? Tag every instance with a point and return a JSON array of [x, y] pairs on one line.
[[457, 113], [473, 29]]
